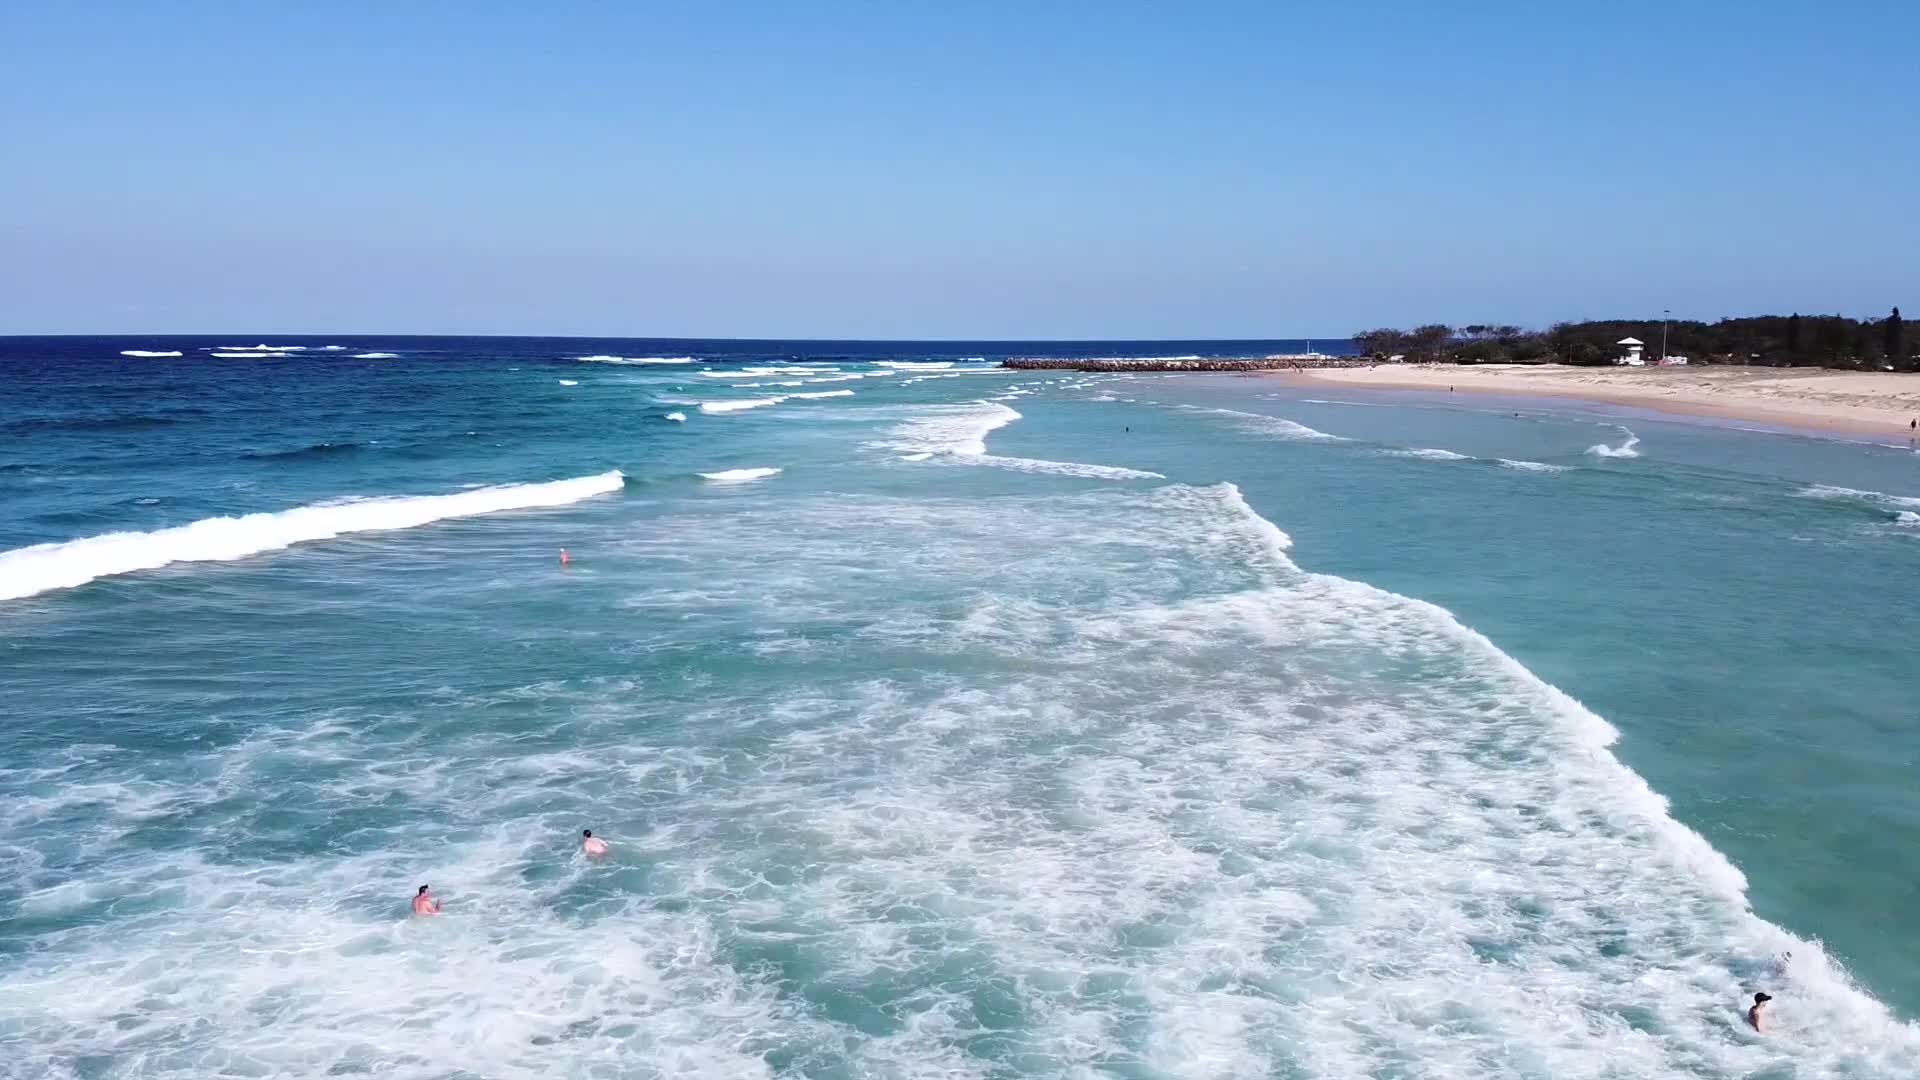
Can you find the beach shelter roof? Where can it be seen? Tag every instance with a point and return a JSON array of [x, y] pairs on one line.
[[1629, 341]]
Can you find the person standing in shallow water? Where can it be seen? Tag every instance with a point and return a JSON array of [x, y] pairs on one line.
[[1755, 1019], [424, 904], [591, 844]]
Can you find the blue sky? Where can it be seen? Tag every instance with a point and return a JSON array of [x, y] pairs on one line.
[[979, 169]]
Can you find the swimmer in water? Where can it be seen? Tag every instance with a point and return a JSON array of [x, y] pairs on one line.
[[424, 904], [1754, 1018], [592, 845]]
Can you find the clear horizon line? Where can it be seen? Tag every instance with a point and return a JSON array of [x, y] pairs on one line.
[[647, 337]]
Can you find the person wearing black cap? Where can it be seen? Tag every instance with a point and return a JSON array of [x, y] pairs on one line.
[[1759, 1006]]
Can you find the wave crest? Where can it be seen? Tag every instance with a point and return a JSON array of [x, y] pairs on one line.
[[46, 567]]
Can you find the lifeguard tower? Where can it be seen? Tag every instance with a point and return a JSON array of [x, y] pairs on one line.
[[1636, 353]]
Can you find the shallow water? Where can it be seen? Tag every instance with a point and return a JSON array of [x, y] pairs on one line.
[[937, 735]]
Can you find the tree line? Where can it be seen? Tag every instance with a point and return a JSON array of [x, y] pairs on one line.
[[1796, 340]]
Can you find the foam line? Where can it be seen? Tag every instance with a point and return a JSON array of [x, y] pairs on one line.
[[739, 476], [45, 567], [1262, 424], [739, 404], [1846, 494]]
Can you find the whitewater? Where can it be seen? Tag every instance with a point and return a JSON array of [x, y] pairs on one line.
[[1203, 735]]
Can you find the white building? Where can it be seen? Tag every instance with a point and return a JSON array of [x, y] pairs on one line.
[[1635, 352]]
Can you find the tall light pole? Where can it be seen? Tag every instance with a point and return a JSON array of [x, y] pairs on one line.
[[1665, 313]]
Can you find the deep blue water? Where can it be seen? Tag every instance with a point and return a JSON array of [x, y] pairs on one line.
[[965, 722]]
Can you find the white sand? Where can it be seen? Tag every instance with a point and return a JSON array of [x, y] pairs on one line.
[[1863, 403]]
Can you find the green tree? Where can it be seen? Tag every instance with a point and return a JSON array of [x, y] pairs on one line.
[[1380, 343], [1893, 340], [1793, 338], [1428, 341]]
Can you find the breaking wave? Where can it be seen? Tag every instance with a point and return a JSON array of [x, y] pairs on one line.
[[1262, 424], [1624, 450], [739, 476], [47, 567], [1855, 495], [739, 404]]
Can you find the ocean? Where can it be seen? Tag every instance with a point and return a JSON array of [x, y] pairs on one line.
[[945, 720]]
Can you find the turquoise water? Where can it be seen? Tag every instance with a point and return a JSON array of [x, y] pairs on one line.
[[1018, 725]]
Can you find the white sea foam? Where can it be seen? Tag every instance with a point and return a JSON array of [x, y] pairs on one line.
[[823, 394], [1262, 424], [957, 434], [739, 404], [46, 567], [333, 348], [247, 355], [376, 356], [257, 348], [1855, 495], [1625, 450], [144, 352], [740, 476], [914, 365], [635, 359], [950, 429], [1168, 807], [1531, 466], [1063, 468], [676, 417], [569, 382], [1429, 454]]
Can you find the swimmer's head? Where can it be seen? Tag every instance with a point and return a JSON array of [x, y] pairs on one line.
[[586, 832], [1762, 998], [422, 892]]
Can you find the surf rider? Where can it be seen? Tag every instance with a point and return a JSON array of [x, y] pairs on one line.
[[424, 904], [591, 844], [1754, 1018]]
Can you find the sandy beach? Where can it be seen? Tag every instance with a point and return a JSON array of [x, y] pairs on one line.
[[1858, 403]]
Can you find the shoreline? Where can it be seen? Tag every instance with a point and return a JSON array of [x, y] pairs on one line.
[[1874, 404]]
